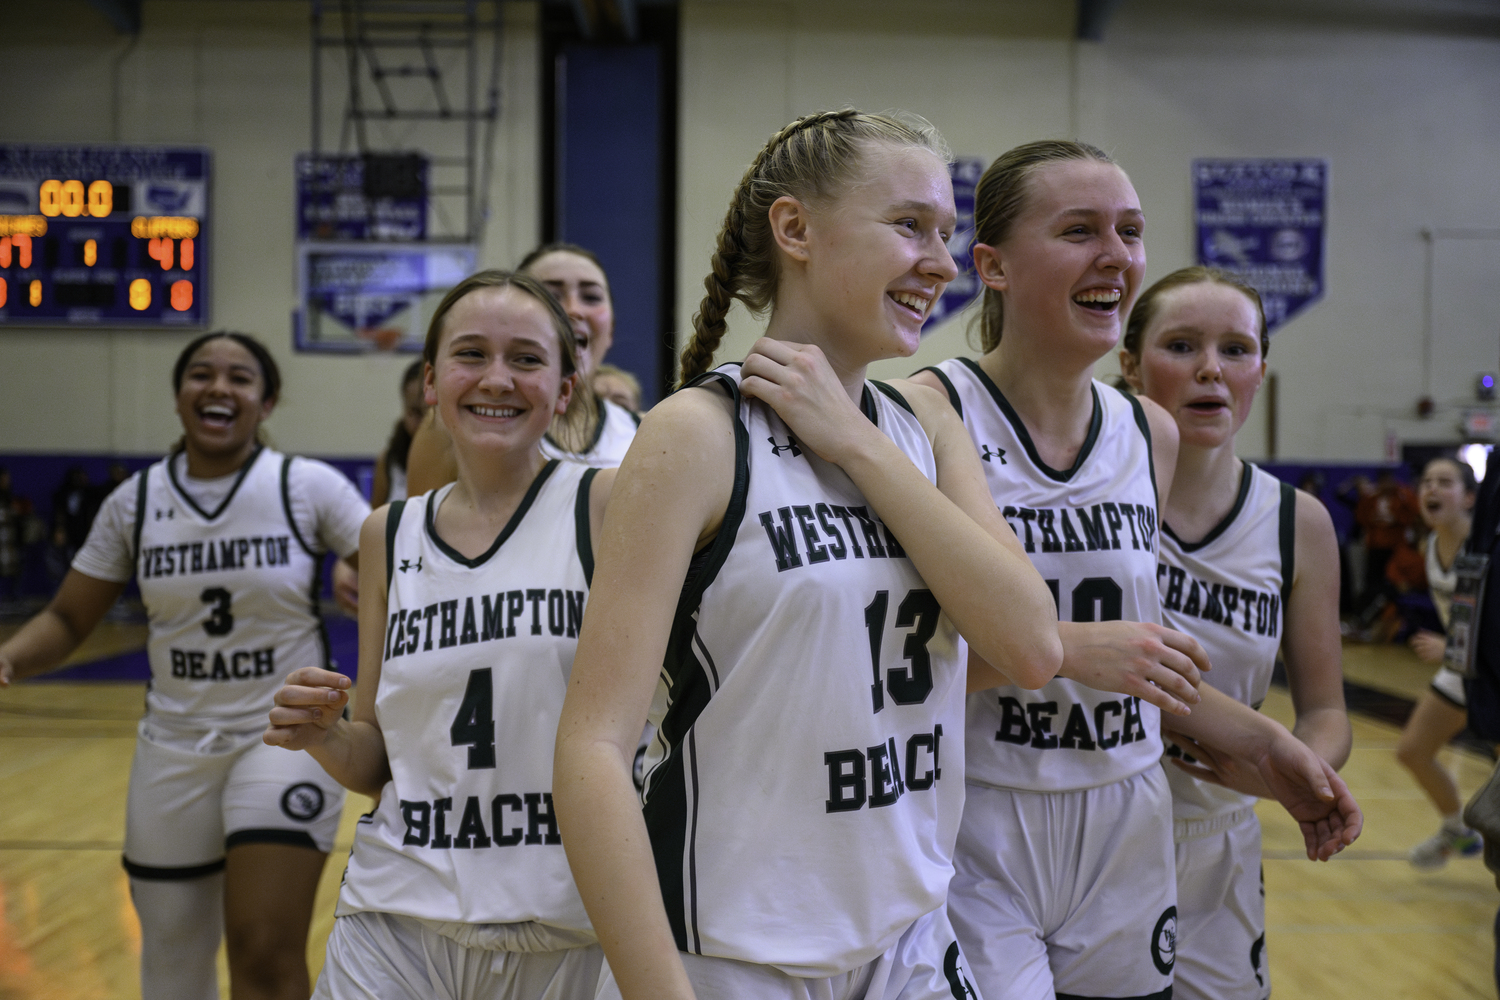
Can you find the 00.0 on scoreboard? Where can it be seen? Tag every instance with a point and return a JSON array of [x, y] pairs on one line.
[[103, 236]]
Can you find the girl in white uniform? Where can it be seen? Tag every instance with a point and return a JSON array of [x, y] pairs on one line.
[[787, 564], [1065, 879], [226, 538], [1249, 567], [1446, 495], [596, 433], [471, 600]]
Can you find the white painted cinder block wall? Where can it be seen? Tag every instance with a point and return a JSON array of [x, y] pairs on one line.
[[1402, 106]]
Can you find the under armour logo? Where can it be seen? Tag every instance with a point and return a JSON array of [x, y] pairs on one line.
[[791, 446], [986, 454], [407, 564], [169, 513]]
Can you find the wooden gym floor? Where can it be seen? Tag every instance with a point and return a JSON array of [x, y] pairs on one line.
[[1363, 926]]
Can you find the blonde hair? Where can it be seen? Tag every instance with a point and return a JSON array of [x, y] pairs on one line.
[[1000, 198], [810, 159]]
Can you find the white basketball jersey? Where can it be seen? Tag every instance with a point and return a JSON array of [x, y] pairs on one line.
[[1091, 532], [612, 436], [475, 665], [1442, 582], [230, 594], [1229, 592], [801, 816]]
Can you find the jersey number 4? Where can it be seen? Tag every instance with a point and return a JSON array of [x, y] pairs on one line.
[[909, 685], [474, 725]]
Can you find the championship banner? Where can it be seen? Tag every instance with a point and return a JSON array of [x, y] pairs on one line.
[[1263, 221], [373, 296]]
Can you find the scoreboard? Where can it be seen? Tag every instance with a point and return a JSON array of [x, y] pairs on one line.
[[103, 236]]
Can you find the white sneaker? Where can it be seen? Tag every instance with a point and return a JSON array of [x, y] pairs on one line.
[[1434, 852]]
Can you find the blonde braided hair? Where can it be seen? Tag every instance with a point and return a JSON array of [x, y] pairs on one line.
[[810, 160]]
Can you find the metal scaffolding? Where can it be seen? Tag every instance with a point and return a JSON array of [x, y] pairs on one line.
[[412, 72]]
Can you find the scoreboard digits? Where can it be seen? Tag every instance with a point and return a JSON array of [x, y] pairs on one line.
[[103, 236]]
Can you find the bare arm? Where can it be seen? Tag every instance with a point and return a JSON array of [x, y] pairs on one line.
[[1311, 645], [667, 500], [309, 707], [50, 638], [1309, 789], [430, 462]]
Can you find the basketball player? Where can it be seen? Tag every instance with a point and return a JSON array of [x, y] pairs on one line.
[[471, 599], [1065, 877], [1446, 495], [605, 428], [1248, 566], [224, 837], [836, 538]]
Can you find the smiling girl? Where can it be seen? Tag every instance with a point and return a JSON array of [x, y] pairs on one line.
[[223, 836], [595, 431], [470, 601], [1065, 879], [1249, 568], [789, 559]]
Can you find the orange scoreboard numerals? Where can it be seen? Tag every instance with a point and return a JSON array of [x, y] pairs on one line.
[[4, 292], [16, 249], [160, 248], [36, 293], [185, 253], [140, 295], [182, 295]]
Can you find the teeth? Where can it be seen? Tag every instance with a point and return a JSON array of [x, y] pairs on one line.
[[916, 302], [1105, 295], [495, 411]]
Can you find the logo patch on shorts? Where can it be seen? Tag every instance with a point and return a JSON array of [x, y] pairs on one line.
[[1164, 941], [302, 802], [953, 968]]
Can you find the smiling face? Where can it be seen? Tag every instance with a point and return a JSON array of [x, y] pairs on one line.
[[1200, 359], [582, 289], [1072, 263], [1442, 494], [219, 399], [497, 378], [876, 255]]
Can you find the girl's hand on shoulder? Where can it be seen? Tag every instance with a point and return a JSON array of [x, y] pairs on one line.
[[310, 702], [801, 386], [1156, 664], [1429, 646]]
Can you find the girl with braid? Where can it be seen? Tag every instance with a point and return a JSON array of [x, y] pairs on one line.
[[1065, 881], [790, 557]]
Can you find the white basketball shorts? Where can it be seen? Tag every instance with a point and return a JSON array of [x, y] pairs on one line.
[[1071, 894], [383, 956], [186, 808], [925, 963], [1221, 909]]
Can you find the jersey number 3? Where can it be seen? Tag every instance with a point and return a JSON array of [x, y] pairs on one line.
[[220, 620]]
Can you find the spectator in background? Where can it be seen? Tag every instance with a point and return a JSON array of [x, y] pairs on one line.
[[1386, 514], [390, 467], [617, 385], [73, 510], [13, 513]]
